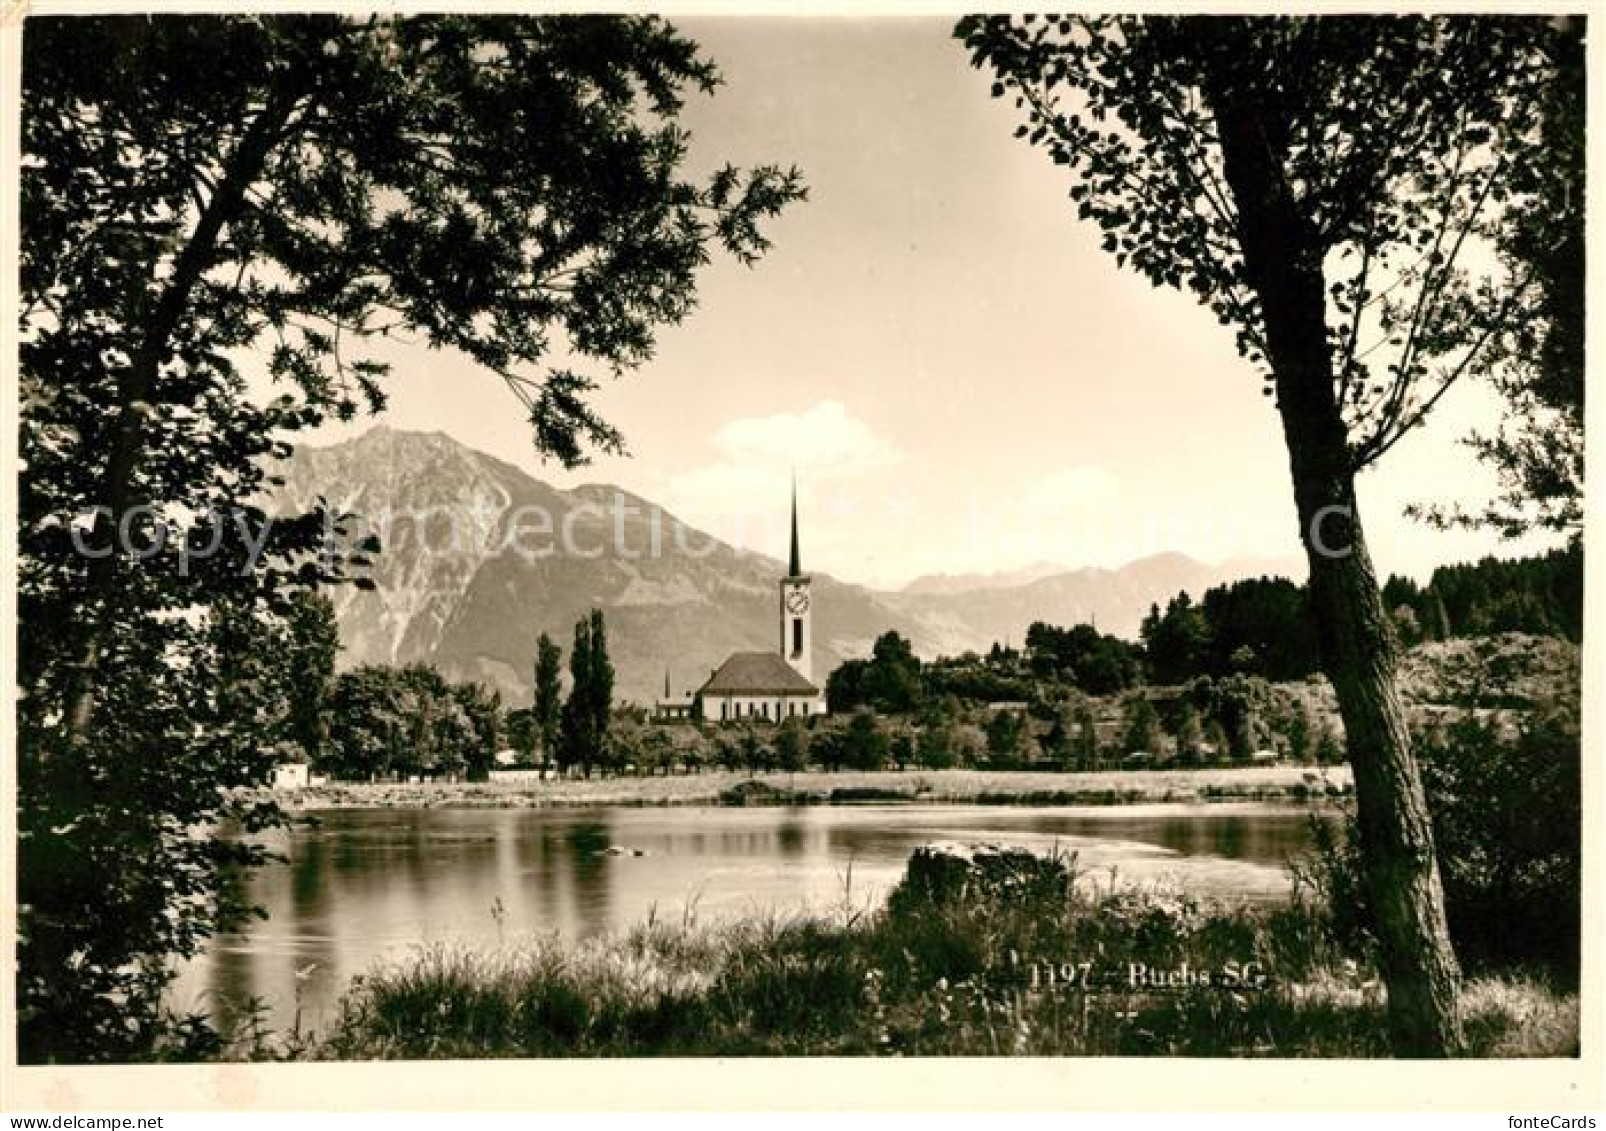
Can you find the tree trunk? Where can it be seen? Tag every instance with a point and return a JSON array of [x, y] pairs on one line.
[[1283, 262]]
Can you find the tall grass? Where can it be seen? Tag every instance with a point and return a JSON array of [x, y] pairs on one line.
[[937, 972]]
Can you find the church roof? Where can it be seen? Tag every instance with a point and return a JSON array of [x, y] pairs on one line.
[[757, 673]]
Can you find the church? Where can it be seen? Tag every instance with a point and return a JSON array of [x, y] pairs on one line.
[[771, 685]]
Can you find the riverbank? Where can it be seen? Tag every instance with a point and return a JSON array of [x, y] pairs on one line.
[[817, 787], [979, 953]]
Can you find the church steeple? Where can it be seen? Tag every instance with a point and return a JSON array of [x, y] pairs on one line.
[[796, 639], [795, 566]]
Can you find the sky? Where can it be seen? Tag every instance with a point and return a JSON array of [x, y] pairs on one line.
[[959, 378]]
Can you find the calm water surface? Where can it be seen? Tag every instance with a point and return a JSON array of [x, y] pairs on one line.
[[362, 886]]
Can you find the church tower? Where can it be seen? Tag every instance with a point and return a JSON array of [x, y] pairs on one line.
[[797, 637]]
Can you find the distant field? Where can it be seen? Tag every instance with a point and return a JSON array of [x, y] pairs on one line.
[[819, 787]]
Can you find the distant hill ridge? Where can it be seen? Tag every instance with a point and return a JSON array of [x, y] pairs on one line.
[[454, 590]]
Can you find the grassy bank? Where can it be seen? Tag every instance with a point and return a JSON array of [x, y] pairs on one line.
[[952, 787], [939, 971]]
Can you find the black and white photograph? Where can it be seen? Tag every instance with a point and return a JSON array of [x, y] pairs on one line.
[[644, 536]]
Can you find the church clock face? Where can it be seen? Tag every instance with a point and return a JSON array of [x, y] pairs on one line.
[[797, 601]]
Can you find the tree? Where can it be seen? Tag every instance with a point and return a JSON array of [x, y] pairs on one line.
[[1006, 739], [1300, 731], [599, 688], [1097, 663], [1177, 641], [844, 687], [1057, 742], [576, 740], [510, 188], [548, 707], [482, 709], [1315, 183], [1238, 703], [588, 711], [521, 734], [314, 638], [1087, 737], [1190, 735], [365, 724], [792, 745], [1142, 734], [891, 681], [1537, 362], [864, 743]]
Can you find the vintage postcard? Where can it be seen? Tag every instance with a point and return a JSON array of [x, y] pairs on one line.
[[811, 558]]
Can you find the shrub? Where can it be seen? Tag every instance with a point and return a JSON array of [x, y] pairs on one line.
[[1507, 823]]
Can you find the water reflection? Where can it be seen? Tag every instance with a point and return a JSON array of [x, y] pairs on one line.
[[367, 885]]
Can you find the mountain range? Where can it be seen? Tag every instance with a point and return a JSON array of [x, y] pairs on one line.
[[474, 566]]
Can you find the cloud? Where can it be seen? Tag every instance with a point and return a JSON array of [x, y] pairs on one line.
[[824, 438], [825, 445], [742, 494], [1070, 490]]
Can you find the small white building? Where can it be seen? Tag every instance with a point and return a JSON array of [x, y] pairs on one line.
[[292, 775]]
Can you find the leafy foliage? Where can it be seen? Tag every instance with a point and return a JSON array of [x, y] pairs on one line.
[[1142, 725], [548, 709], [1095, 662], [1507, 817], [405, 722], [1322, 186], [586, 716], [1401, 139], [1263, 626], [197, 190], [1537, 360], [1542, 595]]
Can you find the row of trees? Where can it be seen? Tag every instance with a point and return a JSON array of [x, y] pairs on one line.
[[1212, 722], [383, 722], [894, 680], [1256, 626], [575, 731], [1263, 626], [1543, 595]]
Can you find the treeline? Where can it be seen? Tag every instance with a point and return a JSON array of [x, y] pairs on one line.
[[1012, 709], [1071, 698], [1543, 595], [1262, 626], [894, 680], [379, 722]]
